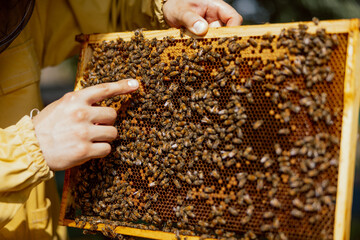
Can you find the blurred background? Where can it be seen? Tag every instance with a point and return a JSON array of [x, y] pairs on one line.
[[57, 80]]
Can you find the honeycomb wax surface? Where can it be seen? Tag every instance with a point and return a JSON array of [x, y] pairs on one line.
[[232, 138]]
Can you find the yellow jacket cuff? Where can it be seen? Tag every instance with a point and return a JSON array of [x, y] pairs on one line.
[[37, 163]]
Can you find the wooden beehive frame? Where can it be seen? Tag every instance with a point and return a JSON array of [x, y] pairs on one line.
[[349, 121]]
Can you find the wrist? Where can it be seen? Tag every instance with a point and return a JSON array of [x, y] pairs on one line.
[[36, 160]]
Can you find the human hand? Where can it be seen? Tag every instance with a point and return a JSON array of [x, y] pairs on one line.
[[72, 131], [198, 15]]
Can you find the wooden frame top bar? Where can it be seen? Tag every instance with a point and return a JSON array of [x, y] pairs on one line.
[[332, 26]]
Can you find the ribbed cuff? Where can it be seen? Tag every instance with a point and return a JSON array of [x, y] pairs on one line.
[[159, 13], [36, 159]]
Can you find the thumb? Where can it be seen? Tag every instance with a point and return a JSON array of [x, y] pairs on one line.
[[195, 23]]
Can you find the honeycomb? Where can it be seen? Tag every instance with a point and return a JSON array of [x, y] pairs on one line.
[[227, 137]]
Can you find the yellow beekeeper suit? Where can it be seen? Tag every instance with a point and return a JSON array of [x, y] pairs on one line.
[[29, 204]]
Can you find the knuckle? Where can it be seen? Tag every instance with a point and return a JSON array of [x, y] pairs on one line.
[[70, 96], [81, 151], [113, 133], [80, 114], [241, 19], [112, 113], [82, 133], [106, 150], [104, 88], [186, 18]]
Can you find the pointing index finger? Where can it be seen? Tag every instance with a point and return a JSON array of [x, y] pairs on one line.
[[100, 92]]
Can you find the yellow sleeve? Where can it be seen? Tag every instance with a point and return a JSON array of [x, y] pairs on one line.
[[62, 20], [22, 167]]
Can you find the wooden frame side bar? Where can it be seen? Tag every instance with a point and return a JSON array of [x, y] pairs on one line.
[[348, 135]]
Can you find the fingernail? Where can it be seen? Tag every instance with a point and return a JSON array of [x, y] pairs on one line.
[[199, 27], [133, 83], [215, 24]]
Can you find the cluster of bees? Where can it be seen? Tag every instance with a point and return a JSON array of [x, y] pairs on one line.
[[218, 142]]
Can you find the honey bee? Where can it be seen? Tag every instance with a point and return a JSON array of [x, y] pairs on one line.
[[313, 173], [188, 180], [260, 184], [250, 210], [315, 20], [155, 197], [268, 215], [177, 184], [228, 122], [251, 235], [147, 218], [248, 199], [283, 159], [275, 203], [242, 175], [230, 129], [297, 203], [314, 219], [194, 44], [327, 200], [216, 92], [243, 46], [278, 149], [331, 189], [324, 166], [251, 177], [257, 124], [157, 219], [276, 223], [284, 131], [261, 74], [257, 78], [223, 81], [215, 174], [137, 214], [256, 64], [294, 151], [265, 227], [279, 79], [221, 220], [189, 41], [222, 40], [264, 45], [233, 211], [234, 46], [312, 207], [244, 220], [230, 162], [191, 214], [201, 175], [253, 42], [297, 213], [206, 120], [241, 90], [225, 62], [251, 157], [238, 61]]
